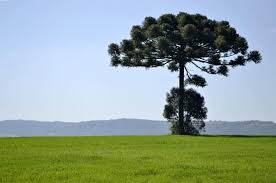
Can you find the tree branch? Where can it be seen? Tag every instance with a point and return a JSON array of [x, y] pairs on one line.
[[188, 73], [162, 64], [206, 62], [200, 60], [204, 70]]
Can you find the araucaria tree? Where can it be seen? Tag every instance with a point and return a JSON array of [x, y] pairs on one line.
[[183, 40]]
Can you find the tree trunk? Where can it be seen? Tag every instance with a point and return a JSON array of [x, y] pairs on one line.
[[181, 98]]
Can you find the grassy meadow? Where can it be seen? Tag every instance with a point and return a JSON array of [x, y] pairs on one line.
[[138, 159]]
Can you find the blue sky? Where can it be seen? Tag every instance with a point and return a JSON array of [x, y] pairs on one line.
[[54, 63]]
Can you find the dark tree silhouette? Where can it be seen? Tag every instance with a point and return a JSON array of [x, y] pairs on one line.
[[194, 111], [183, 40]]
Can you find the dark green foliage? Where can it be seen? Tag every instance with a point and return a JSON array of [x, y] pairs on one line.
[[196, 80], [194, 39], [194, 107], [181, 41]]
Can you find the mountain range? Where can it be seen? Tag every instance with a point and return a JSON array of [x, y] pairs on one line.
[[19, 128]]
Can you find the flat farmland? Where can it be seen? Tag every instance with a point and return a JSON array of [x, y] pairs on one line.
[[138, 159]]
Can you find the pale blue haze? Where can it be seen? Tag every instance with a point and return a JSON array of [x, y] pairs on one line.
[[54, 63]]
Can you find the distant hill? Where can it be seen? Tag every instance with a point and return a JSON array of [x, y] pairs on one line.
[[14, 128]]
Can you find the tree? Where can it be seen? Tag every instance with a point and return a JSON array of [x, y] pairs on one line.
[[183, 40], [194, 108]]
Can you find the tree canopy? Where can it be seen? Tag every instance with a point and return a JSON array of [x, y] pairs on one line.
[[210, 45]]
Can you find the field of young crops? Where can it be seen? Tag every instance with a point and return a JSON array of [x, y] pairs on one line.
[[138, 159]]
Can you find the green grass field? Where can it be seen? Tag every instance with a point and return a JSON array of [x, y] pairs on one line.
[[138, 159]]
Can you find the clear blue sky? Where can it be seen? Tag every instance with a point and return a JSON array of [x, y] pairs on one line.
[[54, 63]]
